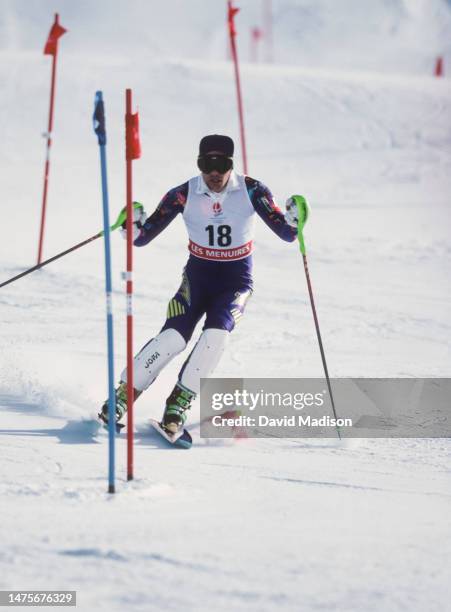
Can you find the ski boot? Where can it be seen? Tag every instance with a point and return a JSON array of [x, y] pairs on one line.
[[121, 405], [178, 402]]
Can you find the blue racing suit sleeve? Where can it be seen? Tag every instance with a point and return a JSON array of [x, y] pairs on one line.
[[170, 206], [266, 208]]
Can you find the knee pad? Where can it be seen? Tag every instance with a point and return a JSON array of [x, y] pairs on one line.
[[153, 357], [204, 358]]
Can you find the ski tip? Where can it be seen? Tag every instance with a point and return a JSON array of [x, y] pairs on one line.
[[185, 440], [181, 440]]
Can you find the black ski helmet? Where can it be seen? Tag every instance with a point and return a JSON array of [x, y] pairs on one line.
[[216, 142]]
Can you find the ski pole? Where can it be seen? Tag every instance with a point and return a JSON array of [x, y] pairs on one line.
[[120, 220], [303, 213]]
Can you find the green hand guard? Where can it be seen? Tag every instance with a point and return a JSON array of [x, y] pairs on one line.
[[123, 215], [303, 215]]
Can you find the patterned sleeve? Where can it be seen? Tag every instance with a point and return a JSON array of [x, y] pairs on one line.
[[265, 206], [170, 206]]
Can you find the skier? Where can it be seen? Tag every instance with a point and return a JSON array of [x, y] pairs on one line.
[[218, 207]]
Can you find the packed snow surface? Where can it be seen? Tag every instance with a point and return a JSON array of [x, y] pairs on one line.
[[348, 114]]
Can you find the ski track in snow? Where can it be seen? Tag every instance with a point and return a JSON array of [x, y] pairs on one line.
[[242, 525], [236, 493]]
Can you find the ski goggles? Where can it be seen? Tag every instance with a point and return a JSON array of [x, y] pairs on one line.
[[211, 163]]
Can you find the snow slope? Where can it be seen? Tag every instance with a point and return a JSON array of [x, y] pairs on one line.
[[252, 524], [396, 36]]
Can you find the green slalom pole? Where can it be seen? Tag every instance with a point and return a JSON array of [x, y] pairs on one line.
[[303, 214], [119, 221]]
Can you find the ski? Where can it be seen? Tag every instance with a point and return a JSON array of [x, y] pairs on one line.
[[179, 440]]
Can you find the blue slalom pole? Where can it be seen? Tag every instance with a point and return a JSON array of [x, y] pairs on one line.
[[99, 128]]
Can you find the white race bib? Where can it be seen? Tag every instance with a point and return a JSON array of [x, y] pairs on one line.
[[220, 225]]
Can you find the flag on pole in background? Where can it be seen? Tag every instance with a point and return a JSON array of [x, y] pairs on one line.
[[231, 18], [232, 11], [51, 48], [55, 33], [133, 145]]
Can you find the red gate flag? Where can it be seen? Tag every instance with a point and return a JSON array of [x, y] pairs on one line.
[[232, 12], [56, 32], [439, 67], [133, 146]]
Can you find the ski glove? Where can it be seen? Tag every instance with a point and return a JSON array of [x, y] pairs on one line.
[[139, 218], [291, 216]]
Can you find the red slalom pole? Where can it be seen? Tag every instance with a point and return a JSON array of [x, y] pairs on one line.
[[132, 151], [51, 48], [232, 11], [130, 393]]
